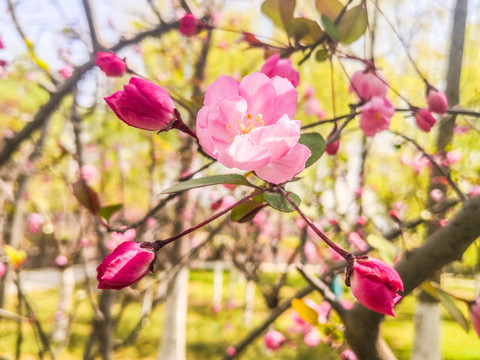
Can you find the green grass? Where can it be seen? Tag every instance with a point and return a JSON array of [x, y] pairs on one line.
[[209, 334]]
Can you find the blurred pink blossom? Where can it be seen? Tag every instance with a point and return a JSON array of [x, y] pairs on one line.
[[34, 223]]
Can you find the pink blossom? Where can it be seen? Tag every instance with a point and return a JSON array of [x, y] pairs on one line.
[[436, 195], [61, 260], [475, 191], [273, 340], [375, 285], [84, 242], [443, 222], [126, 265], [424, 120], [216, 308], [111, 64], [375, 115], [189, 25], [88, 172], [34, 223], [230, 305], [367, 84], [249, 126], [66, 71], [3, 269], [310, 251], [419, 162], [355, 239], [347, 304], [274, 66], [323, 309], [361, 221], [118, 238], [332, 148], [460, 130], [312, 338], [151, 222], [260, 219], [312, 107], [144, 105], [231, 351], [2, 46], [348, 355], [358, 192], [452, 157], [474, 311], [437, 101]]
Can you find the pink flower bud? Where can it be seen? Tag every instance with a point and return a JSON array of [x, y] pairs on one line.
[[61, 260], [66, 71], [332, 148], [312, 107], [474, 311], [151, 222], [347, 304], [437, 101], [313, 338], [367, 83], [348, 355], [88, 172], [189, 25], [274, 66], [143, 105], [231, 352], [273, 340], [35, 222], [475, 191], [111, 64], [452, 157], [375, 115], [126, 265], [375, 285], [425, 120], [3, 269]]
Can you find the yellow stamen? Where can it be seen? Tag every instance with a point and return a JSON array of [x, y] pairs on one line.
[[229, 127]]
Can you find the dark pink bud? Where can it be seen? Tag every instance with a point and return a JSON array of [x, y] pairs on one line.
[[437, 101], [425, 120], [368, 83], [375, 285], [111, 64], [474, 311], [144, 105], [189, 25], [274, 340], [332, 148], [126, 265], [274, 66]]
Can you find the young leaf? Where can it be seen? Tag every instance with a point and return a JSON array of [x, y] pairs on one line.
[[279, 11], [86, 196], [385, 248], [321, 55], [305, 312], [330, 8], [316, 144], [449, 303], [246, 211], [107, 211], [306, 30], [207, 181], [278, 202], [352, 25], [330, 27]]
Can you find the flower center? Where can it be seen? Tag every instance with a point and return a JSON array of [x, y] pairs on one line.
[[249, 125]]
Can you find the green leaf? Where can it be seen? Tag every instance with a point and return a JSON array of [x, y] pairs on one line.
[[306, 30], [246, 211], [305, 312], [86, 196], [280, 12], [385, 248], [449, 303], [278, 201], [330, 8], [352, 25], [330, 27], [321, 55], [316, 144], [207, 181], [107, 211]]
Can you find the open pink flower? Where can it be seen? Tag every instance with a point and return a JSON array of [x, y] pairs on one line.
[[424, 120], [375, 285], [474, 311], [375, 115], [437, 101], [111, 64], [126, 265], [368, 83], [274, 66], [144, 105], [273, 340], [249, 126]]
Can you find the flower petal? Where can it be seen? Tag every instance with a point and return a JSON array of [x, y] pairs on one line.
[[247, 155], [222, 88]]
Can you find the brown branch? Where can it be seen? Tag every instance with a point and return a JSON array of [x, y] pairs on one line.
[[89, 14]]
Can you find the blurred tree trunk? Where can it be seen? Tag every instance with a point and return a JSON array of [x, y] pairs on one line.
[[427, 313]]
